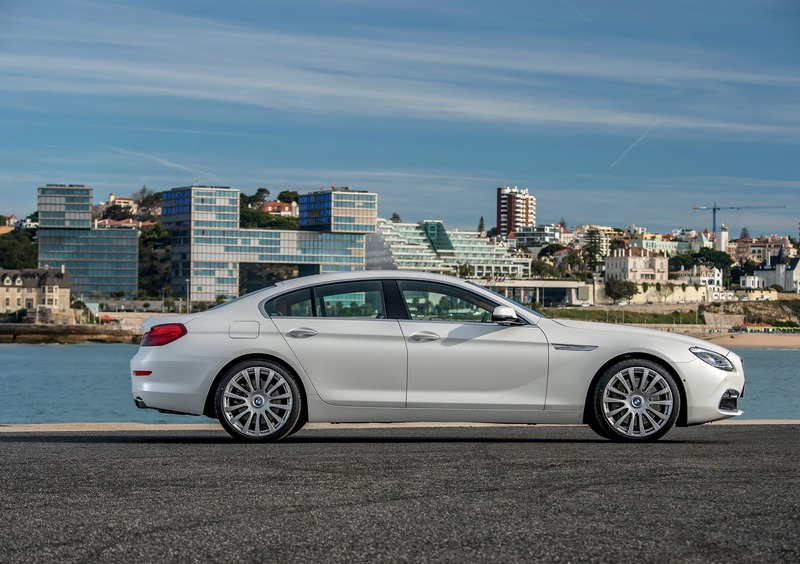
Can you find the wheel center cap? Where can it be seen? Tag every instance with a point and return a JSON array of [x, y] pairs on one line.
[[637, 401], [258, 401]]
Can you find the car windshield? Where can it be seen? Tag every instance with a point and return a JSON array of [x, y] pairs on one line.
[[522, 306]]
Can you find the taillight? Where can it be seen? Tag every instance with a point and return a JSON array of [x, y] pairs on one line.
[[163, 334]]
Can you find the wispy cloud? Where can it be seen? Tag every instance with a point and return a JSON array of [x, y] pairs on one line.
[[629, 149], [576, 10], [164, 162], [522, 79]]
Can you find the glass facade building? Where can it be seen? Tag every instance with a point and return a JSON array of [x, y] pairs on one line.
[[339, 210], [100, 261], [208, 247], [65, 206]]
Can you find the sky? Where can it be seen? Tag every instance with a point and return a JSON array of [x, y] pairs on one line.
[[611, 113]]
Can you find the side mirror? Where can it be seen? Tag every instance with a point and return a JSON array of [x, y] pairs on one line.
[[505, 316]]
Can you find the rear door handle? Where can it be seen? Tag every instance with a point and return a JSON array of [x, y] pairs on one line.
[[301, 333], [423, 336]]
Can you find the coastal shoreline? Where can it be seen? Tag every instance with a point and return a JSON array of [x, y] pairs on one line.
[[756, 340]]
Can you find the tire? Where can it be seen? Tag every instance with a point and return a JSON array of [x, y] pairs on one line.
[[259, 401], [635, 400]]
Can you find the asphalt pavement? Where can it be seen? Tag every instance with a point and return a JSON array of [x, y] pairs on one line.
[[446, 494]]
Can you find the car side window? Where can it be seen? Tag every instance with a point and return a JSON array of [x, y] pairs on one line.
[[428, 301], [360, 300], [293, 304]]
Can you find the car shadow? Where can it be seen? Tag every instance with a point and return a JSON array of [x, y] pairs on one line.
[[311, 437]]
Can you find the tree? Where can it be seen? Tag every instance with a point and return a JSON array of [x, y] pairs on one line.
[[396, 218], [550, 250], [621, 289], [481, 225], [148, 202], [142, 194], [543, 269], [464, 270], [616, 244], [17, 251], [259, 197], [712, 258], [745, 234], [681, 262], [256, 219], [154, 260], [570, 263], [593, 248], [288, 196], [563, 223], [117, 213]]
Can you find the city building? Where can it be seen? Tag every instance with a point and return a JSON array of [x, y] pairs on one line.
[[537, 236], [659, 245], [428, 246], [284, 209], [99, 261], [721, 239], [31, 288], [636, 264], [758, 250], [776, 270], [702, 275], [210, 251], [124, 224], [515, 209], [339, 210], [125, 203]]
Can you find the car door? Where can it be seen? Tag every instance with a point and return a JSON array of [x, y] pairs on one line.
[[339, 334], [459, 359]]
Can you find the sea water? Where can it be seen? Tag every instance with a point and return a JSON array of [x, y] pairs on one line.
[[91, 383]]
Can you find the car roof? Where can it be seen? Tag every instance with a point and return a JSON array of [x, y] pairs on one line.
[[317, 279]]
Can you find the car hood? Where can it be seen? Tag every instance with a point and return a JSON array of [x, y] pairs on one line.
[[588, 328]]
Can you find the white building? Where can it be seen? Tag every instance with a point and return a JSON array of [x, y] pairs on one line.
[[721, 239], [428, 246], [701, 274], [636, 264], [775, 270]]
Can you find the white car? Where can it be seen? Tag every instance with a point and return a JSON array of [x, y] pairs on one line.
[[392, 346]]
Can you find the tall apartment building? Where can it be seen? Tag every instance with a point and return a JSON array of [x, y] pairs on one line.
[[515, 208], [99, 261], [209, 249]]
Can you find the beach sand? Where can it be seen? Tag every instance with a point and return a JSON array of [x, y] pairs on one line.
[[757, 340]]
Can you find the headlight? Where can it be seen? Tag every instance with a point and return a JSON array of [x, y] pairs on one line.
[[714, 359]]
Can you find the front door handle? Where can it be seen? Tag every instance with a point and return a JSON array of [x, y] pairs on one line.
[[301, 333], [423, 336]]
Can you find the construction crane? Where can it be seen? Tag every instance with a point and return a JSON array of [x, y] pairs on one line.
[[716, 208]]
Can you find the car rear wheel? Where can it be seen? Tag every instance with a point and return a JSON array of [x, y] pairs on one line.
[[635, 400], [258, 400]]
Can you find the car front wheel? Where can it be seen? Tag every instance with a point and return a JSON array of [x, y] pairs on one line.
[[258, 400], [635, 400]]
